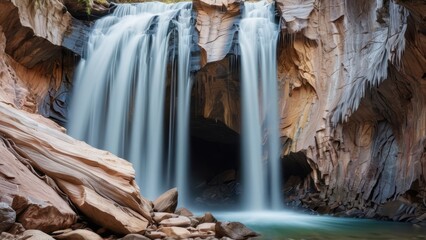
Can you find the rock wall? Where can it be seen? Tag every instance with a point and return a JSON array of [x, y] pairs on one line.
[[352, 96], [35, 70], [352, 100]]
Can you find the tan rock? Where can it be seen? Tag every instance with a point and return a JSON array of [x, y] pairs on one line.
[[100, 184], [34, 31], [79, 234], [176, 232], [234, 230], [180, 221], [216, 24], [36, 235], [207, 218], [134, 236], [8, 236], [155, 234], [167, 202], [205, 227], [37, 204], [213, 81], [160, 216], [184, 212]]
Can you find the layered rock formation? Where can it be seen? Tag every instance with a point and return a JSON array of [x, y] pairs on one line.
[[94, 182]]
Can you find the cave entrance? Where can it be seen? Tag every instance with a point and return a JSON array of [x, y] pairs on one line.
[[296, 175], [214, 164]]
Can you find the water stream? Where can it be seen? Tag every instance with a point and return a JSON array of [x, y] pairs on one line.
[[120, 90], [258, 35]]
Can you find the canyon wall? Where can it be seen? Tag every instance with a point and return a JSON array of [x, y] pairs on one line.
[[352, 101]]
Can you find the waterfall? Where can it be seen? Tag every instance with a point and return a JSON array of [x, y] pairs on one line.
[[258, 36], [118, 99]]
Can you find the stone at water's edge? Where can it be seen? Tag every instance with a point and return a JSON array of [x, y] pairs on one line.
[[234, 230], [184, 212], [207, 218], [167, 202]]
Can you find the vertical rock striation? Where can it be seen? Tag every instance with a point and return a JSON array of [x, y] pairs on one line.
[[352, 98], [216, 24]]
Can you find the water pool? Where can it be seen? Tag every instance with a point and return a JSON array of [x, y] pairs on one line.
[[290, 225]]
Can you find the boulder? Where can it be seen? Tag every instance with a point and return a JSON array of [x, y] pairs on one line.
[[35, 235], [101, 185], [37, 205], [184, 212], [79, 234], [176, 232], [205, 227], [234, 230], [7, 217], [134, 236], [160, 216], [180, 221], [167, 202], [207, 218], [155, 234]]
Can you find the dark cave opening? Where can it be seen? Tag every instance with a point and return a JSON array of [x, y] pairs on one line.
[[214, 164]]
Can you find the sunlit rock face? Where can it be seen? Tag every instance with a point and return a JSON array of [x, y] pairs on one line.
[[352, 98], [216, 24], [351, 80], [362, 121], [34, 69]]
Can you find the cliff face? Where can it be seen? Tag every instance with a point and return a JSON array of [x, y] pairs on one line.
[[35, 70], [363, 123], [352, 98], [352, 89]]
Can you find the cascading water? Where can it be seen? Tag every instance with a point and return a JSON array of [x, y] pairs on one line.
[[258, 36], [120, 90]]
